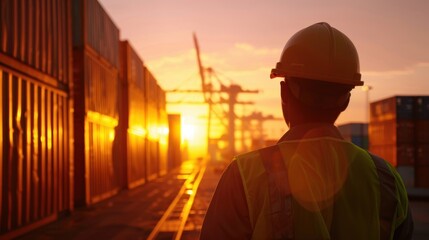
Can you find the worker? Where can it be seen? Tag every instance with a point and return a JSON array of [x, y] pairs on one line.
[[312, 184]]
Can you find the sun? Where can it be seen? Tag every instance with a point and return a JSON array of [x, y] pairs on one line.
[[188, 132]]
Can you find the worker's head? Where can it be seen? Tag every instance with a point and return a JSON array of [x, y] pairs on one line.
[[320, 67]]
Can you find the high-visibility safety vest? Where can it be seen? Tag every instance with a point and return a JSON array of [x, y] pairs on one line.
[[321, 188]]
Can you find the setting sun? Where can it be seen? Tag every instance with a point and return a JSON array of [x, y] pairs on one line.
[[188, 132]]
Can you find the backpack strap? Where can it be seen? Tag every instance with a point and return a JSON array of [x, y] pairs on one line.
[[279, 193], [388, 201]]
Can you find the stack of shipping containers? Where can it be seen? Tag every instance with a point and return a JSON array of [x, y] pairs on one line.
[[36, 140], [162, 131], [398, 133], [130, 140], [65, 140], [356, 133], [152, 125], [174, 141], [422, 141], [95, 64]]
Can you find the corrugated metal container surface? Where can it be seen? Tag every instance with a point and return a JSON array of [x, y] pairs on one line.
[[93, 27], [397, 107], [391, 131], [37, 33], [422, 131], [36, 162], [96, 116], [422, 176], [422, 157], [36, 140], [163, 132], [174, 141], [388, 152], [98, 174], [152, 126], [354, 129], [135, 125], [361, 141], [422, 108]]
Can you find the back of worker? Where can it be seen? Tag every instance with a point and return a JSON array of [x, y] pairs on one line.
[[312, 184], [334, 185]]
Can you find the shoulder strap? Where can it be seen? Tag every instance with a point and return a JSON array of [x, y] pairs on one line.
[[279, 193], [388, 201]]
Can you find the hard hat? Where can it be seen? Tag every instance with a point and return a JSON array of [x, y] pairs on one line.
[[320, 52]]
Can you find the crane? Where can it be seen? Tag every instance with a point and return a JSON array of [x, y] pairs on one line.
[[221, 96]]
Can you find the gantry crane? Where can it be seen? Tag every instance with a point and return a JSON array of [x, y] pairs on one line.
[[217, 95], [260, 118]]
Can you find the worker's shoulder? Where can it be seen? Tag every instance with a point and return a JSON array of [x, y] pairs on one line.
[[255, 154]]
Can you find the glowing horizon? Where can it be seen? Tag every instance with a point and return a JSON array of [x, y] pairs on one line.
[[243, 40]]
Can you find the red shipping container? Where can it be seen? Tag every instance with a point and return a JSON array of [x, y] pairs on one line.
[[422, 157], [36, 111], [422, 131], [132, 122], [174, 141], [422, 176]]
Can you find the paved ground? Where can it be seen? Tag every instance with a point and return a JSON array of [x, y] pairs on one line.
[[133, 214]]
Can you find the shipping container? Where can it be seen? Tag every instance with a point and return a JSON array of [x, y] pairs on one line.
[[353, 129], [95, 119], [36, 35], [422, 153], [356, 133], [36, 111], [422, 131], [98, 173], [398, 107], [36, 166], [163, 132], [174, 141], [422, 176], [132, 121], [422, 107], [94, 31], [152, 157]]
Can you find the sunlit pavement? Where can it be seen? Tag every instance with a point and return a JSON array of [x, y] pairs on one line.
[[133, 214]]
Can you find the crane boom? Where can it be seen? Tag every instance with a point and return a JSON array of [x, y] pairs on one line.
[[200, 66]]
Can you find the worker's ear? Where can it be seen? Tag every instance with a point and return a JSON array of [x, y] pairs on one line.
[[346, 103]]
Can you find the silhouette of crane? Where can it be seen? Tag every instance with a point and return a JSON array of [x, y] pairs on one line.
[[216, 95]]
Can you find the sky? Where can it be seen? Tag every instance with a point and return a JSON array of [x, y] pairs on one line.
[[243, 39]]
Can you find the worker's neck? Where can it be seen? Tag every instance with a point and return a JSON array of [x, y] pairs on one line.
[[309, 123]]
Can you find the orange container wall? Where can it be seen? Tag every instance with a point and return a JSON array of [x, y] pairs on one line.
[[93, 28], [152, 126], [36, 161], [174, 141], [36, 111], [96, 117], [392, 130], [422, 176], [133, 118], [163, 132], [38, 34], [98, 174]]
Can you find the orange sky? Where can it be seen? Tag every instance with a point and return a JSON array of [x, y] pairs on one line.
[[243, 39]]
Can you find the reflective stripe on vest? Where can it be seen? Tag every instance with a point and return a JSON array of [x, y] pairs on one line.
[[281, 198], [279, 191]]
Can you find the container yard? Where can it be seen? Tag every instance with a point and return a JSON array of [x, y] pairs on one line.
[[356, 133], [90, 150], [83, 117], [398, 132]]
